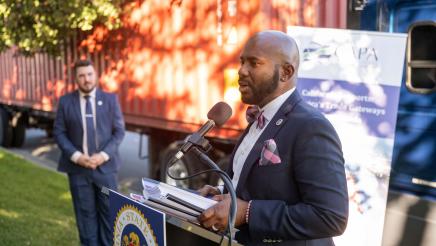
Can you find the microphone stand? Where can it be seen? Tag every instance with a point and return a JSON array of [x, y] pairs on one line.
[[196, 140], [227, 183]]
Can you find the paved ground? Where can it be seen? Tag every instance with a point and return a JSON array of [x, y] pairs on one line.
[[44, 151]]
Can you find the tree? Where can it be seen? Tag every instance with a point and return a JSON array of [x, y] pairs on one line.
[[42, 25]]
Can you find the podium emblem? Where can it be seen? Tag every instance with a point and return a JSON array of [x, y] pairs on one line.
[[132, 228]]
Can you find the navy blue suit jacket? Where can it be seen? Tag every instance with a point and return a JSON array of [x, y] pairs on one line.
[[304, 199], [68, 130]]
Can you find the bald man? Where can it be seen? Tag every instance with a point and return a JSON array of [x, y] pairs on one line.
[[287, 168]]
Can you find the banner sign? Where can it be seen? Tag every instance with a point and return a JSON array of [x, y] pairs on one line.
[[354, 78], [135, 223]]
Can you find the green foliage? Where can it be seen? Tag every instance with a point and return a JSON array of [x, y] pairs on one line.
[[35, 205], [42, 25]]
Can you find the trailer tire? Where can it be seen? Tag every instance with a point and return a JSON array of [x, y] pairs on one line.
[[6, 133], [222, 163], [180, 168], [49, 132], [19, 132]]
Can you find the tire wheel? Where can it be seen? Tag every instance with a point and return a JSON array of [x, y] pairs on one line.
[[184, 167], [222, 163], [49, 132], [19, 132], [178, 169], [6, 132]]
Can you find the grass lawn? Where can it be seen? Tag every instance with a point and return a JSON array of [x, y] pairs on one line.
[[35, 205]]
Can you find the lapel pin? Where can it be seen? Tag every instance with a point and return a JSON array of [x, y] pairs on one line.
[[100, 103], [279, 122]]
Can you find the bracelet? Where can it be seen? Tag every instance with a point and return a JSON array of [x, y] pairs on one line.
[[247, 212]]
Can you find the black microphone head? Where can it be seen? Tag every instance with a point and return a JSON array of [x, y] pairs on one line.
[[220, 113]]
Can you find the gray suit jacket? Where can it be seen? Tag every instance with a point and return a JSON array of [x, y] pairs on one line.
[[303, 200]]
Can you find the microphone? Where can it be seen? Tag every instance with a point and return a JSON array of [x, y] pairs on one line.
[[217, 115]]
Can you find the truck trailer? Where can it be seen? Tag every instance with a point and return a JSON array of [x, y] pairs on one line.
[[410, 217], [169, 63]]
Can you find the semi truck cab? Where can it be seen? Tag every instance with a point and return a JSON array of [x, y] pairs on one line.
[[411, 208]]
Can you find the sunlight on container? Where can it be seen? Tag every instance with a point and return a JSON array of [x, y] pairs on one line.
[[109, 81], [203, 79], [59, 88], [177, 21], [233, 36], [6, 89], [232, 95], [46, 104]]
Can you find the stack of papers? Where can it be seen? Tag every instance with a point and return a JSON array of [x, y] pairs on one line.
[[173, 200]]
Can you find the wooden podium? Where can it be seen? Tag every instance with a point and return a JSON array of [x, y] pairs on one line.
[[134, 222]]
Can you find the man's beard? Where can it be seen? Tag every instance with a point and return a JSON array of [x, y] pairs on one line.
[[85, 89], [264, 89]]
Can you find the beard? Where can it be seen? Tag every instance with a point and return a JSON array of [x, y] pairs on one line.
[[263, 89], [86, 88]]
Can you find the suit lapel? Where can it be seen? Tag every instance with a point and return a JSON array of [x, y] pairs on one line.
[[277, 122], [76, 106], [99, 113]]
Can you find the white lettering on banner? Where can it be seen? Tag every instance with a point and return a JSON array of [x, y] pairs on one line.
[[338, 100], [318, 51], [350, 108], [352, 56], [344, 96]]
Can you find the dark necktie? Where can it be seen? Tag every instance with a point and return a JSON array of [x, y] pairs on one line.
[[253, 113], [90, 129]]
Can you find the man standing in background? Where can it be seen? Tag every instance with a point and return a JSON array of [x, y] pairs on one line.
[[89, 128]]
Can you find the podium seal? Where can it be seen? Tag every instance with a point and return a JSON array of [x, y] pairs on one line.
[[132, 228]]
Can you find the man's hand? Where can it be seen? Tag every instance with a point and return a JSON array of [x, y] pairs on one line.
[[208, 190], [86, 162], [217, 216], [97, 159]]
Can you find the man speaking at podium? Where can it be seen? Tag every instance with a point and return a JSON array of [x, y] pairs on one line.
[[287, 168]]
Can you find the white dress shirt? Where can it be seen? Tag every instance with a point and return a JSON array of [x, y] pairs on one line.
[[254, 133], [76, 155]]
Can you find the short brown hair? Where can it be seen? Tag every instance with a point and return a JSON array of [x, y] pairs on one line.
[[82, 63]]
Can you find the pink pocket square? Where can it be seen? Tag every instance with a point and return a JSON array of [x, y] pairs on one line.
[[270, 154]]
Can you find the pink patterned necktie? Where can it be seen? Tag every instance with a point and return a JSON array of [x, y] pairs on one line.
[[253, 113]]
